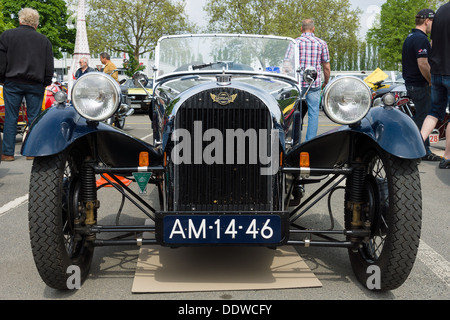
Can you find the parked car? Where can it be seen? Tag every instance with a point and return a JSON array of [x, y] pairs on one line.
[[138, 97], [227, 167]]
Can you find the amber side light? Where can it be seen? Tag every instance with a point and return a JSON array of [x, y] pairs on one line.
[[143, 159], [304, 160]]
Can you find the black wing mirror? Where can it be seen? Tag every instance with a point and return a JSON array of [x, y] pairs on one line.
[[310, 75], [140, 79]]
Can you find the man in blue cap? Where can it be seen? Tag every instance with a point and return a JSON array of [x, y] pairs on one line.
[[416, 71]]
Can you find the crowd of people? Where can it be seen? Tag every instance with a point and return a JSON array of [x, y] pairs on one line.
[[26, 68], [426, 70], [110, 68]]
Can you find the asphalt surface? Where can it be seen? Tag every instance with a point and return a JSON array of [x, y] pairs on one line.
[[113, 268]]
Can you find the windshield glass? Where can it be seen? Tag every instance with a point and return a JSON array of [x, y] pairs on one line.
[[234, 53]]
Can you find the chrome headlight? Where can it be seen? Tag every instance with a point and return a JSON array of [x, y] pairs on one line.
[[347, 100], [378, 102], [389, 99], [96, 96]]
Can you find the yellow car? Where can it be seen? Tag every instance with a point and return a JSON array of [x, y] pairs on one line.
[[138, 98]]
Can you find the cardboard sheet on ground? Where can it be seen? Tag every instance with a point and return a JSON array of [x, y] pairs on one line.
[[188, 269]]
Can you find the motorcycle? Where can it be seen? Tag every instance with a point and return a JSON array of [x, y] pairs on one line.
[[397, 96], [404, 103]]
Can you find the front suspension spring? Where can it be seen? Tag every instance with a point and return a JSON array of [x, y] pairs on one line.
[[357, 183], [89, 191], [88, 185], [356, 199]]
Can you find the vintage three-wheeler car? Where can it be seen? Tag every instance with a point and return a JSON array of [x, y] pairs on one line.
[[227, 161]]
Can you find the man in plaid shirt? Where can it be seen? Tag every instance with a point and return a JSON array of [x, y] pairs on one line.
[[313, 52]]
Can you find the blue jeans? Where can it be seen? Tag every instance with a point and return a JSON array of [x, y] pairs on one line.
[[421, 96], [313, 101], [440, 95], [13, 94]]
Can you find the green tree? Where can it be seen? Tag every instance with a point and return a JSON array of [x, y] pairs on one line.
[[397, 18], [132, 65], [116, 25], [245, 16], [334, 20], [52, 22], [3, 25]]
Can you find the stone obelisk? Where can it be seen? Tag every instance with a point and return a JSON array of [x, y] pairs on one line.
[[81, 44]]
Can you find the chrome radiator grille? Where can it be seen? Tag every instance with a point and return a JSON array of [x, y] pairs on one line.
[[235, 185]]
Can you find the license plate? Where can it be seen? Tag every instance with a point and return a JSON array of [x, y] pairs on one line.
[[135, 106], [434, 138], [224, 229]]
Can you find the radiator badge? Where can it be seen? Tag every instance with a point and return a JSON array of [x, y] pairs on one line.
[[223, 98]]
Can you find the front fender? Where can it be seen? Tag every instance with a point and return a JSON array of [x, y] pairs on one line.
[[54, 130], [394, 131], [390, 129], [61, 126]]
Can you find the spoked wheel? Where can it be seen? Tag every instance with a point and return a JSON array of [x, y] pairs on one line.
[[393, 206], [53, 205]]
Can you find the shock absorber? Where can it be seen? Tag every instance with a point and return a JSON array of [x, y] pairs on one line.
[[356, 200], [89, 191]]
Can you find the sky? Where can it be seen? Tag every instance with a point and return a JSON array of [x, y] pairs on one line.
[[370, 8]]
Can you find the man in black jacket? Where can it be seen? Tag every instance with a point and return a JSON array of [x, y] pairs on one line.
[[26, 68]]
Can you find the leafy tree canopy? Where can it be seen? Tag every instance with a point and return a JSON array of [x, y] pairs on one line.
[[118, 25], [395, 22], [4, 25], [335, 22]]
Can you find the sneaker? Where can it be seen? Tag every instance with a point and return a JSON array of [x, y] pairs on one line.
[[444, 164], [7, 158], [432, 157]]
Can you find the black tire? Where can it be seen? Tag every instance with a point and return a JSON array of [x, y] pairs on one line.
[[392, 193], [54, 191]]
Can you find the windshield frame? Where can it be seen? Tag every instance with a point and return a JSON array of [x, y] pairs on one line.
[[295, 75]]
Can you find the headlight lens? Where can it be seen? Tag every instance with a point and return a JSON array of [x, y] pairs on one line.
[[96, 96], [347, 100], [378, 102], [389, 99]]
